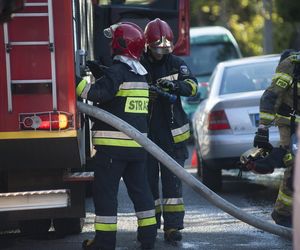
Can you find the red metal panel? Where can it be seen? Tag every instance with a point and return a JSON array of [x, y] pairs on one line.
[[65, 59], [33, 62]]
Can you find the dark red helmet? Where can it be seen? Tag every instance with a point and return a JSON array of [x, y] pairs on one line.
[[159, 36], [127, 39]]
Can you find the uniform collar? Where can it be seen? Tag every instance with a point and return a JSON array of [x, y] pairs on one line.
[[135, 65]]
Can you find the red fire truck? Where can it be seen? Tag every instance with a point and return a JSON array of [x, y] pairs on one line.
[[43, 138]]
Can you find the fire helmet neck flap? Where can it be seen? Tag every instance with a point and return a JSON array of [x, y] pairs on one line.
[[127, 39], [159, 37]]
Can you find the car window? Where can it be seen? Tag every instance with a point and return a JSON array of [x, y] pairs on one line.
[[204, 57], [249, 77]]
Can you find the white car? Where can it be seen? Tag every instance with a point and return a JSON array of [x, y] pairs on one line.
[[225, 123]]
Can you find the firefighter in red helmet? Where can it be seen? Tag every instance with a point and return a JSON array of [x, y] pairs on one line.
[[169, 78], [122, 91]]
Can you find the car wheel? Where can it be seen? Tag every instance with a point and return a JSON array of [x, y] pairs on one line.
[[212, 178]]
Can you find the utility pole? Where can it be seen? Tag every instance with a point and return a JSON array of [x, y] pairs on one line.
[[268, 27]]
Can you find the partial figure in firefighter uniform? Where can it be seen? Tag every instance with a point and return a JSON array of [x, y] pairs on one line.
[[296, 202], [279, 106], [124, 92], [169, 78]]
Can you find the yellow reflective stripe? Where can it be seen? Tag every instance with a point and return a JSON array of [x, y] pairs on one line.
[[173, 208], [80, 87], [115, 142], [266, 116], [288, 117], [285, 199], [37, 134], [136, 105], [111, 134], [182, 137], [288, 157], [133, 92], [158, 209], [193, 85], [146, 222], [283, 77], [105, 227]]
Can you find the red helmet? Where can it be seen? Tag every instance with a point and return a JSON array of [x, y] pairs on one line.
[[159, 36], [127, 39]]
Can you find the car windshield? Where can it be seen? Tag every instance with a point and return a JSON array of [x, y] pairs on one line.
[[204, 57], [248, 77]]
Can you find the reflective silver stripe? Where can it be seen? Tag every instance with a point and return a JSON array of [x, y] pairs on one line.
[[157, 202], [173, 201], [106, 219], [145, 214], [85, 91], [181, 130], [111, 134], [170, 77], [134, 85]]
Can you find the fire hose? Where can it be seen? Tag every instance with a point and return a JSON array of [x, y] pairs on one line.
[[181, 173]]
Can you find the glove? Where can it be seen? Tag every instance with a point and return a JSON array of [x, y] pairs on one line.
[[261, 139], [152, 94], [96, 69], [167, 84]]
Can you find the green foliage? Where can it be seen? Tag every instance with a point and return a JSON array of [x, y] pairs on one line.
[[246, 20], [288, 10]]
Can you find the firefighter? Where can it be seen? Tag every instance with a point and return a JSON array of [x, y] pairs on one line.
[[122, 91], [168, 78], [279, 106]]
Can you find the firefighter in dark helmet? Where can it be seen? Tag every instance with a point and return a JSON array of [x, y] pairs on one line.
[[280, 106], [124, 92], [169, 78]]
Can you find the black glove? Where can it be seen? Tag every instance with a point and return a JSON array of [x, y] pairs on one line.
[[261, 139], [96, 68], [167, 84]]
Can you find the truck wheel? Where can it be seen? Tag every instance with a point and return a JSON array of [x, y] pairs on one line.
[[36, 229], [212, 178], [67, 226]]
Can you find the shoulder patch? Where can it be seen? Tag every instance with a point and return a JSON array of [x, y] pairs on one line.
[[184, 70]]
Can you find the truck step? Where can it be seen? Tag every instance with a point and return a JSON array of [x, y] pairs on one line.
[[79, 176], [28, 200]]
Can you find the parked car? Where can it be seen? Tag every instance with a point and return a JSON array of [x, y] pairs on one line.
[[209, 46], [225, 123]]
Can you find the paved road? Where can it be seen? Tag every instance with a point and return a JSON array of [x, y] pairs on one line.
[[206, 227]]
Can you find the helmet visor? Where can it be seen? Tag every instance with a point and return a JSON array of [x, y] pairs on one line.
[[162, 46], [109, 32]]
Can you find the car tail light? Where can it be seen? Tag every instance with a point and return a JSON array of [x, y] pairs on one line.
[[46, 121], [217, 120]]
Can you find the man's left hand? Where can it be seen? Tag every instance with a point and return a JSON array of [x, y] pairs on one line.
[[164, 83]]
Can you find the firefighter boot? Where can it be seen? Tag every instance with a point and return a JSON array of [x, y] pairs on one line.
[[91, 245], [273, 160], [145, 245], [281, 220], [172, 236]]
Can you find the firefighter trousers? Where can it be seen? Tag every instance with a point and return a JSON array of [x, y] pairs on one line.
[[171, 206], [108, 173], [284, 201]]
